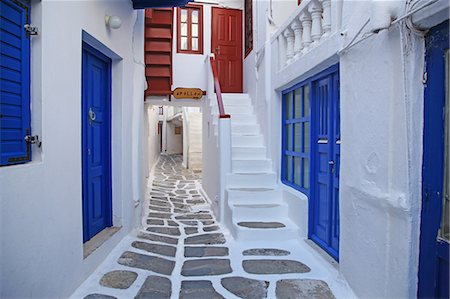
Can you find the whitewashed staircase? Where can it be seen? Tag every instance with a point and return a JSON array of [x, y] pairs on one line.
[[195, 140], [252, 192]]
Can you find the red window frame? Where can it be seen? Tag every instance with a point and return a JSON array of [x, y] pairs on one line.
[[190, 8]]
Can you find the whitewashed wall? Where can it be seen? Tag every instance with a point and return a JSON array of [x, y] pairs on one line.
[[153, 138], [381, 130], [41, 202], [174, 142]]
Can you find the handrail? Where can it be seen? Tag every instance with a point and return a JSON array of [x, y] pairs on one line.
[[218, 89]]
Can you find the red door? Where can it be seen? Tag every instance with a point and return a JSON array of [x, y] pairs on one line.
[[226, 44]]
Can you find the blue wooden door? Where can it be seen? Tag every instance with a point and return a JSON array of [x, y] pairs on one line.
[[324, 203], [434, 230], [96, 142]]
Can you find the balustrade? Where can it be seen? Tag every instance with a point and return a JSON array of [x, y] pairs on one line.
[[310, 24]]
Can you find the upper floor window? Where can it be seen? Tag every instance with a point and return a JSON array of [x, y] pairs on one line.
[[190, 29]]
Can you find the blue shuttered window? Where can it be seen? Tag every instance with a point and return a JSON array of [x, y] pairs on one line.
[[14, 83]]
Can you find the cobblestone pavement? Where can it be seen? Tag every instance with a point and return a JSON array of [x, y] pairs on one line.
[[182, 252]]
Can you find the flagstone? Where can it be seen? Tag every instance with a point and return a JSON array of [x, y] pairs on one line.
[[147, 262]]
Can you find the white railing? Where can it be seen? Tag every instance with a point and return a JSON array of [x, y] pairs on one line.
[[309, 25], [217, 144]]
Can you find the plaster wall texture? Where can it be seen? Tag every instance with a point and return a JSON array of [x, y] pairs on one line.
[[381, 128], [153, 138], [381, 152], [174, 142], [41, 203]]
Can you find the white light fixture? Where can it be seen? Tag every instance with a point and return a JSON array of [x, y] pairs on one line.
[[113, 22]]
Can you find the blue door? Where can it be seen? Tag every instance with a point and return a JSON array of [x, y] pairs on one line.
[[434, 230], [96, 142], [324, 197]]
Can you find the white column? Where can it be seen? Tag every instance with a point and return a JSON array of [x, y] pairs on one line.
[[290, 45], [297, 28], [305, 18], [326, 17], [315, 9]]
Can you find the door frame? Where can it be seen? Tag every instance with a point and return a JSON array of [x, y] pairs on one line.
[[87, 48], [241, 44], [433, 161], [310, 193]]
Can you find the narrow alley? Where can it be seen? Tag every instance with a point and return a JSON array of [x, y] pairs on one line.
[[182, 252]]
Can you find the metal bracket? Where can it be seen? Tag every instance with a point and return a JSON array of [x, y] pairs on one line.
[[33, 140], [31, 30]]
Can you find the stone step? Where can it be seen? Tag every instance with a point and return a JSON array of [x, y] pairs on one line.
[[233, 109], [247, 140], [251, 166], [259, 212], [243, 118], [238, 128], [268, 229], [253, 195], [252, 180], [248, 152]]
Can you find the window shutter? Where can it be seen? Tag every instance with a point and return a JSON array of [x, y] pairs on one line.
[[14, 83]]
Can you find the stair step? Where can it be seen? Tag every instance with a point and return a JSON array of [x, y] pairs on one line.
[[238, 128], [233, 109], [245, 152], [252, 180], [243, 118], [251, 166], [259, 212], [274, 230], [253, 195], [247, 140]]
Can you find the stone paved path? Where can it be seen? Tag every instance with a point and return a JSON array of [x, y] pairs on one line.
[[182, 252]]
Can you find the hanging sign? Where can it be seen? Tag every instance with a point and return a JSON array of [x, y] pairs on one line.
[[188, 93]]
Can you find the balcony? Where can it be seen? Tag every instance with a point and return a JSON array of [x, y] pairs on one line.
[[313, 25]]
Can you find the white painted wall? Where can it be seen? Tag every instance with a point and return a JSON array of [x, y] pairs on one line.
[[153, 138], [195, 138], [174, 142], [381, 152], [41, 206]]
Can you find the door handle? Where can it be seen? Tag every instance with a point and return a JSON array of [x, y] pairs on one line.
[[217, 50], [331, 163], [92, 115]]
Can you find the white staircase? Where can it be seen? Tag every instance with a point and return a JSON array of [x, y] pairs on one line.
[[255, 208], [195, 140]]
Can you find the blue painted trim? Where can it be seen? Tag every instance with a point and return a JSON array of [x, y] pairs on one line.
[[322, 74], [430, 284], [332, 73]]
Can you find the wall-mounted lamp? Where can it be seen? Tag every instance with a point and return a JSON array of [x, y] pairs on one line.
[[113, 22]]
